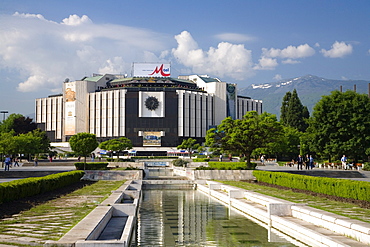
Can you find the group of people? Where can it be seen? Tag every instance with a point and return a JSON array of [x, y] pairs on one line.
[[8, 162], [306, 161]]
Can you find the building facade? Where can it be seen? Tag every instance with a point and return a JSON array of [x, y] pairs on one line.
[[155, 113]]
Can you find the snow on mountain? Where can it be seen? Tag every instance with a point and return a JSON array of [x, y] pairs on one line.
[[310, 88]]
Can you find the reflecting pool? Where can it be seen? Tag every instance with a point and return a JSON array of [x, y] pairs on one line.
[[190, 218]]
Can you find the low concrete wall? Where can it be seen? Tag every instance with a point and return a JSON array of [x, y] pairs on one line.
[[138, 165], [88, 230], [214, 174], [95, 175], [284, 215]]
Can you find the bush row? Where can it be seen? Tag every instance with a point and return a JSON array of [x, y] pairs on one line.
[[358, 190], [91, 166], [231, 165], [10, 191], [200, 160]]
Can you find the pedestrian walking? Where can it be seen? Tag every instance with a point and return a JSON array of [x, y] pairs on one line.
[[311, 162], [8, 161], [16, 160], [307, 162], [300, 162], [344, 162], [36, 161]]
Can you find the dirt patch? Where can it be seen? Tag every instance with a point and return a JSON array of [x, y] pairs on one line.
[[7, 209], [360, 203]]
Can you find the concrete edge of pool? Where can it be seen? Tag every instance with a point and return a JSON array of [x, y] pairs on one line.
[[308, 225]]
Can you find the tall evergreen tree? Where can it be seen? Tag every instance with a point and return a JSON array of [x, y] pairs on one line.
[[293, 113], [284, 108]]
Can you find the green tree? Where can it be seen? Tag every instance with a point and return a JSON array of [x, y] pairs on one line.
[[288, 145], [189, 145], [341, 125], [293, 113], [284, 108], [19, 123], [83, 144], [119, 144], [33, 142], [245, 135]]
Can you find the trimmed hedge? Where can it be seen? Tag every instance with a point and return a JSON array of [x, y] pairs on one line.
[[92, 166], [231, 165], [358, 190], [13, 190], [200, 160]]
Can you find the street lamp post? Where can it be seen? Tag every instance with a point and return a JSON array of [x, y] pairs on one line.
[[4, 112], [2, 156]]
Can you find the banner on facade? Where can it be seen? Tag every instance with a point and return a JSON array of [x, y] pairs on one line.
[[151, 138], [70, 108], [151, 70]]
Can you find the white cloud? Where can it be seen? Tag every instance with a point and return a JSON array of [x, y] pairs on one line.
[[45, 52], [278, 77], [75, 20], [294, 52], [266, 63], [226, 60], [290, 61], [234, 37], [338, 49]]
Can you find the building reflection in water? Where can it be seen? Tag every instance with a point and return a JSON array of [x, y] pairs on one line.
[[188, 218]]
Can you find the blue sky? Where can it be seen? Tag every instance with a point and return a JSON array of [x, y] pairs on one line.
[[42, 42]]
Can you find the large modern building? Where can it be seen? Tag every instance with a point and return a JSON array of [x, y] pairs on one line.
[[156, 112]]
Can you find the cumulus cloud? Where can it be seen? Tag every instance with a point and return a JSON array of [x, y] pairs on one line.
[[290, 61], [225, 60], [338, 49], [266, 63], [234, 37], [291, 52], [45, 52], [75, 20]]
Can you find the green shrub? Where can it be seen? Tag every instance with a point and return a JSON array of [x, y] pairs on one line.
[[91, 166], [180, 162], [358, 190], [251, 166], [204, 168], [201, 160], [230, 165], [10, 191], [366, 166]]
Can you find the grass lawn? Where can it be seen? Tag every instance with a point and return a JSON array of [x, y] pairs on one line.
[[51, 220]]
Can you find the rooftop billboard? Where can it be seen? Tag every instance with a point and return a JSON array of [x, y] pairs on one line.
[[151, 69]]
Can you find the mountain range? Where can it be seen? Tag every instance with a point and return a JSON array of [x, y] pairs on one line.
[[310, 88]]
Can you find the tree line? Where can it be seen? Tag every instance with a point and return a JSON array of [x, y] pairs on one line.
[[339, 124]]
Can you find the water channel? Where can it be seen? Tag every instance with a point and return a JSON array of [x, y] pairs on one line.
[[190, 218]]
